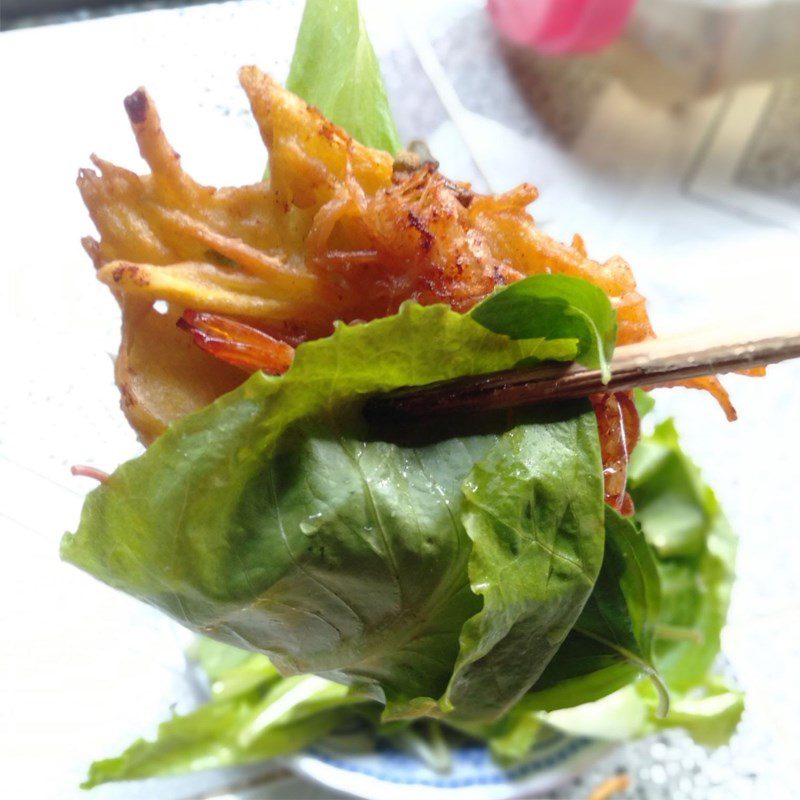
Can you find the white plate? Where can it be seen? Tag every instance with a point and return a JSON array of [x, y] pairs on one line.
[[393, 775]]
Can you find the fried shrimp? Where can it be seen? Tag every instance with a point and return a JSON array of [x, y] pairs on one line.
[[339, 231]]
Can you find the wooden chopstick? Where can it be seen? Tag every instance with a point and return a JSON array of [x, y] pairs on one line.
[[649, 363]]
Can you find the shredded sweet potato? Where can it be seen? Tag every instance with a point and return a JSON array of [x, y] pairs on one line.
[[338, 232]]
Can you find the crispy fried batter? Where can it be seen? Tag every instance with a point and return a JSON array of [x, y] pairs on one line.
[[162, 376], [339, 232]]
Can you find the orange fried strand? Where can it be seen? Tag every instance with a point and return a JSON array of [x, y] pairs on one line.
[[710, 384], [236, 343]]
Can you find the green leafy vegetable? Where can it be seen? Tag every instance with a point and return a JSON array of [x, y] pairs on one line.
[[612, 640], [274, 716], [232, 672], [696, 555], [609, 647], [334, 68], [626, 601], [587, 688], [709, 714], [694, 550], [428, 745], [218, 660], [543, 305], [535, 516], [274, 519], [644, 402]]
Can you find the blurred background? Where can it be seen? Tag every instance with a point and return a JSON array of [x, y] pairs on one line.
[[667, 131]]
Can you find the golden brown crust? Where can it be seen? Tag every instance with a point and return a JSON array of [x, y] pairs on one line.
[[336, 233], [309, 155], [161, 375]]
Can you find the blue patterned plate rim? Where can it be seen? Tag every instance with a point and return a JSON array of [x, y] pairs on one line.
[[390, 774]]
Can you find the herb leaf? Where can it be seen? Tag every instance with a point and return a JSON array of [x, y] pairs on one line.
[[561, 305], [534, 513]]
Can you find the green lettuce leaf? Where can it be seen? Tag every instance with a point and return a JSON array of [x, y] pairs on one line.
[[644, 402], [534, 513], [610, 646], [218, 660], [274, 717], [544, 305], [622, 612], [587, 690], [334, 68], [709, 714], [696, 555], [695, 551], [274, 520], [612, 641], [231, 671]]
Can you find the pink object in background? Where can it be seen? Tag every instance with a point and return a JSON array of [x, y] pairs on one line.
[[557, 27]]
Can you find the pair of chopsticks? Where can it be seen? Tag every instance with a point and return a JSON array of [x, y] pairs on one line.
[[648, 363]]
